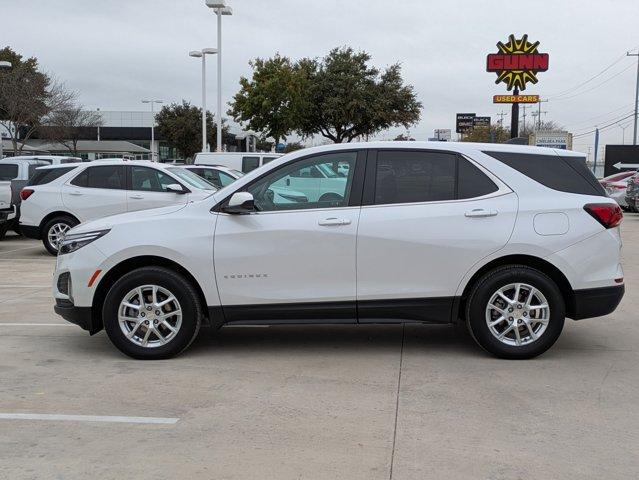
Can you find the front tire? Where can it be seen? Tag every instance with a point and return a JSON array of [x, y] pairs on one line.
[[515, 312], [152, 313], [54, 230]]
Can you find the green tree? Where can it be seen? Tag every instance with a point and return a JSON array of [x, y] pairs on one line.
[[181, 126], [493, 134], [293, 146], [26, 96], [347, 98], [268, 102]]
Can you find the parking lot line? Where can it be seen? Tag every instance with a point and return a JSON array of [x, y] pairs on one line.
[[25, 286], [88, 418], [36, 324]]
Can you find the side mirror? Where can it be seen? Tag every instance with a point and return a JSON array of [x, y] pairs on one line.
[[240, 203], [175, 188]]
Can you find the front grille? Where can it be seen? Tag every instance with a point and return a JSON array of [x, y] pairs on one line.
[[64, 283]]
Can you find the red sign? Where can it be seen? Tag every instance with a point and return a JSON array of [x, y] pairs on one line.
[[517, 63]]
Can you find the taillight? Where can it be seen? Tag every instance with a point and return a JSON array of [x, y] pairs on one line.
[[618, 187], [25, 193], [608, 214]]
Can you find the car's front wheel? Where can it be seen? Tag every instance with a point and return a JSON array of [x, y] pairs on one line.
[[54, 230], [152, 313], [515, 312]]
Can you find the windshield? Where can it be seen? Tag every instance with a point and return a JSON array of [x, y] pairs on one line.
[[8, 172], [191, 178]]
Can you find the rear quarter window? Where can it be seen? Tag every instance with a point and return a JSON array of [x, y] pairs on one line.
[[561, 173], [42, 177]]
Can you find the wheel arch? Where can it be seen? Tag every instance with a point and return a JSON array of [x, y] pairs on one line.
[[537, 263], [57, 213], [125, 266]]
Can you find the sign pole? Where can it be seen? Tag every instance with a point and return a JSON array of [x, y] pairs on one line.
[[514, 118], [594, 163]]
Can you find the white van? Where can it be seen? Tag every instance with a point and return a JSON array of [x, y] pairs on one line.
[[50, 159], [242, 161]]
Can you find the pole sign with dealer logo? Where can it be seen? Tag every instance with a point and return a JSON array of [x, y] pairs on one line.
[[481, 122], [465, 122], [516, 64]]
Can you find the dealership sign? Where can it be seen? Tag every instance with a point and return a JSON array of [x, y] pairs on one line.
[[515, 98], [517, 62], [465, 122]]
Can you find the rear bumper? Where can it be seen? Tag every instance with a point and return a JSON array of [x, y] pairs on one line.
[[30, 231], [7, 215], [594, 302], [81, 316]]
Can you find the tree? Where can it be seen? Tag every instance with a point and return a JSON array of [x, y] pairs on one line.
[[268, 103], [404, 138], [493, 134], [543, 126], [26, 96], [339, 97], [347, 98], [181, 126], [67, 125], [293, 146]]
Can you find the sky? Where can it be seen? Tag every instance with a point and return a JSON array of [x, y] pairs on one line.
[[117, 52]]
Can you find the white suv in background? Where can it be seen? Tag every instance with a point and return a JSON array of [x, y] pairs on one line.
[[509, 239], [62, 196]]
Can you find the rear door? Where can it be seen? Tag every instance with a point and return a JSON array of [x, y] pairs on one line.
[[147, 189], [427, 218], [96, 192]]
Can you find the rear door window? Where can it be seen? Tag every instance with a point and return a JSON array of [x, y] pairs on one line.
[[8, 172], [106, 176], [562, 173], [250, 163]]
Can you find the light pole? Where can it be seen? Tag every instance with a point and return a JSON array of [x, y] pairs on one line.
[[152, 102], [623, 132], [202, 54], [220, 8], [3, 65]]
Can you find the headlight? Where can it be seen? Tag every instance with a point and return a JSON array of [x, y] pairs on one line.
[[73, 241]]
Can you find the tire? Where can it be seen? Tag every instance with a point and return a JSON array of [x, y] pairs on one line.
[[525, 333], [4, 228], [167, 282], [334, 198], [59, 225]]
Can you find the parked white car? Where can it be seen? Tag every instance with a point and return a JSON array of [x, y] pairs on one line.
[[63, 196], [49, 159], [219, 175], [509, 239], [242, 161]]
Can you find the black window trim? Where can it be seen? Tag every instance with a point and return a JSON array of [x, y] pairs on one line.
[[357, 185], [368, 199]]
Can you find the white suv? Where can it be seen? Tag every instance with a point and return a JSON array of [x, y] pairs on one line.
[[509, 239], [60, 197]]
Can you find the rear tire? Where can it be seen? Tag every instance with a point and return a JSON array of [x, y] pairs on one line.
[[3, 230], [161, 327], [527, 329], [53, 229]]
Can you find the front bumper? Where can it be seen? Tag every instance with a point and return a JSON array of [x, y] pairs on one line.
[[594, 302], [81, 316]]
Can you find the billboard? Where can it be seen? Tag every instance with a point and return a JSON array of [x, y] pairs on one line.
[[517, 63], [443, 134], [621, 157], [481, 122], [465, 122]]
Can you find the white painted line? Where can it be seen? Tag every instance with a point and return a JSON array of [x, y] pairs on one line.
[[18, 249], [25, 286], [36, 324], [87, 418]]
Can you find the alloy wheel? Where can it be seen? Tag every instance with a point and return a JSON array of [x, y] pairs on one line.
[[56, 233], [517, 314], [150, 316]]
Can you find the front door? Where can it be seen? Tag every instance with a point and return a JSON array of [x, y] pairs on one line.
[[294, 259], [430, 217]]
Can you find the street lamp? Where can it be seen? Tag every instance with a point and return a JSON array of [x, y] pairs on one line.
[[152, 102], [220, 8], [202, 54], [3, 65]]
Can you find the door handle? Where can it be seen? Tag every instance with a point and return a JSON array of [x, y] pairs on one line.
[[329, 222], [136, 196], [75, 192], [480, 212]]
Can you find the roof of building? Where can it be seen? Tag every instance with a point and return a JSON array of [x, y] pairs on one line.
[[113, 146]]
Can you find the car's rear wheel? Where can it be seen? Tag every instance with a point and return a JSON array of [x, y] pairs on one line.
[[54, 230], [152, 313], [515, 312]]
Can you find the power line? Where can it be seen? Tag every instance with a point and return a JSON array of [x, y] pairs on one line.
[[604, 127], [619, 59], [588, 120], [594, 87]]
